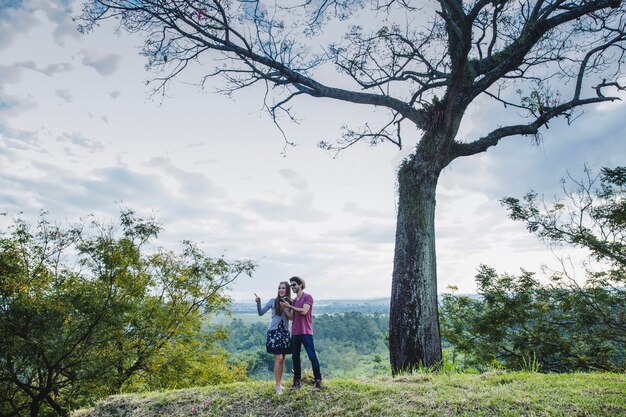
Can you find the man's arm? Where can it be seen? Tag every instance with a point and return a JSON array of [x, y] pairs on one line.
[[305, 309], [288, 309]]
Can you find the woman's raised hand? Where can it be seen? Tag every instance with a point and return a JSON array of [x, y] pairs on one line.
[[257, 299]]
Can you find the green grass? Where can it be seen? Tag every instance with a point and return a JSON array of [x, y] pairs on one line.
[[490, 394]]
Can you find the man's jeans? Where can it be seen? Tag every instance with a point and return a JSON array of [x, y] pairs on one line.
[[307, 340]]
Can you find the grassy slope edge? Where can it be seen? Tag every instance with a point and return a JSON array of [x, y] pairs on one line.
[[491, 394]]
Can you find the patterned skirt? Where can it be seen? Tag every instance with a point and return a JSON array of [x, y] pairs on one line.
[[278, 340]]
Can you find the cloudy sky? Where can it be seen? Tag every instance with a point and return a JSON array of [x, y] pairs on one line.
[[79, 134]]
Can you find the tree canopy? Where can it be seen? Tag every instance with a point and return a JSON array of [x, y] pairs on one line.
[[565, 325], [91, 309]]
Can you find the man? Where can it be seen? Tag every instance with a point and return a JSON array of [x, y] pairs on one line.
[[302, 332]]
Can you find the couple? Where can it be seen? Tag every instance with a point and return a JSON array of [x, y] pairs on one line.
[[300, 310]]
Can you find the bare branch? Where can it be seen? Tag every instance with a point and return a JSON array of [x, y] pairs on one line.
[[545, 115], [401, 61]]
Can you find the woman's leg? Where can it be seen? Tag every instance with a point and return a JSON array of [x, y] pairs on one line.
[[279, 364]]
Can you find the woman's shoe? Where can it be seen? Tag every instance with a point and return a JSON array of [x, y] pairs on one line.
[[279, 389]]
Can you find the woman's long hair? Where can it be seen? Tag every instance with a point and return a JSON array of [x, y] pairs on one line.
[[277, 308]]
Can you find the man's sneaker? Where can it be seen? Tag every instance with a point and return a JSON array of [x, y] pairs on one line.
[[318, 384], [296, 384]]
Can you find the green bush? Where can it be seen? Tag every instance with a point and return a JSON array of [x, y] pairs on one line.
[[91, 310], [563, 326]]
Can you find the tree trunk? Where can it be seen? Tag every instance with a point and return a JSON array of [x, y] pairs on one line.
[[34, 407], [57, 407], [414, 338]]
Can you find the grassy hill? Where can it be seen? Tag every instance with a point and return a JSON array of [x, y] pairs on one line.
[[489, 394]]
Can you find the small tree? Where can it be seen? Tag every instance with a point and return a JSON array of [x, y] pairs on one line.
[[90, 310], [564, 326], [425, 63], [592, 216]]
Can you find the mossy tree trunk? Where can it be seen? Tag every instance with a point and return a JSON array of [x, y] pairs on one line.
[[414, 338]]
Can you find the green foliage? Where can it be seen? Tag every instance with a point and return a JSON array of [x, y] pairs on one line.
[[592, 217], [520, 324], [564, 326], [90, 310], [347, 344], [194, 362]]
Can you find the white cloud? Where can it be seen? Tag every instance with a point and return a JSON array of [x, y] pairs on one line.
[[190, 184], [82, 142], [354, 208], [104, 65], [14, 20], [57, 68], [65, 95]]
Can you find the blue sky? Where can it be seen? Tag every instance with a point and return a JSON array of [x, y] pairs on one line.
[[79, 134]]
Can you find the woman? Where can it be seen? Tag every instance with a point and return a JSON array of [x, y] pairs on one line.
[[278, 341]]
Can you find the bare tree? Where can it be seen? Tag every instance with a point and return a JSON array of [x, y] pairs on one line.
[[424, 62]]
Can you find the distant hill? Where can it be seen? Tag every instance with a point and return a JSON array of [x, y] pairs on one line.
[[363, 305], [366, 305]]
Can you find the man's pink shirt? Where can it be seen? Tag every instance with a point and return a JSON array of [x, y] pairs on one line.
[[303, 324]]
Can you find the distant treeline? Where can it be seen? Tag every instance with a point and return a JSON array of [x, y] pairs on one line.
[[347, 344], [366, 306]]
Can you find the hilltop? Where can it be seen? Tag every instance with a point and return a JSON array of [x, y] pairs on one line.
[[490, 394]]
